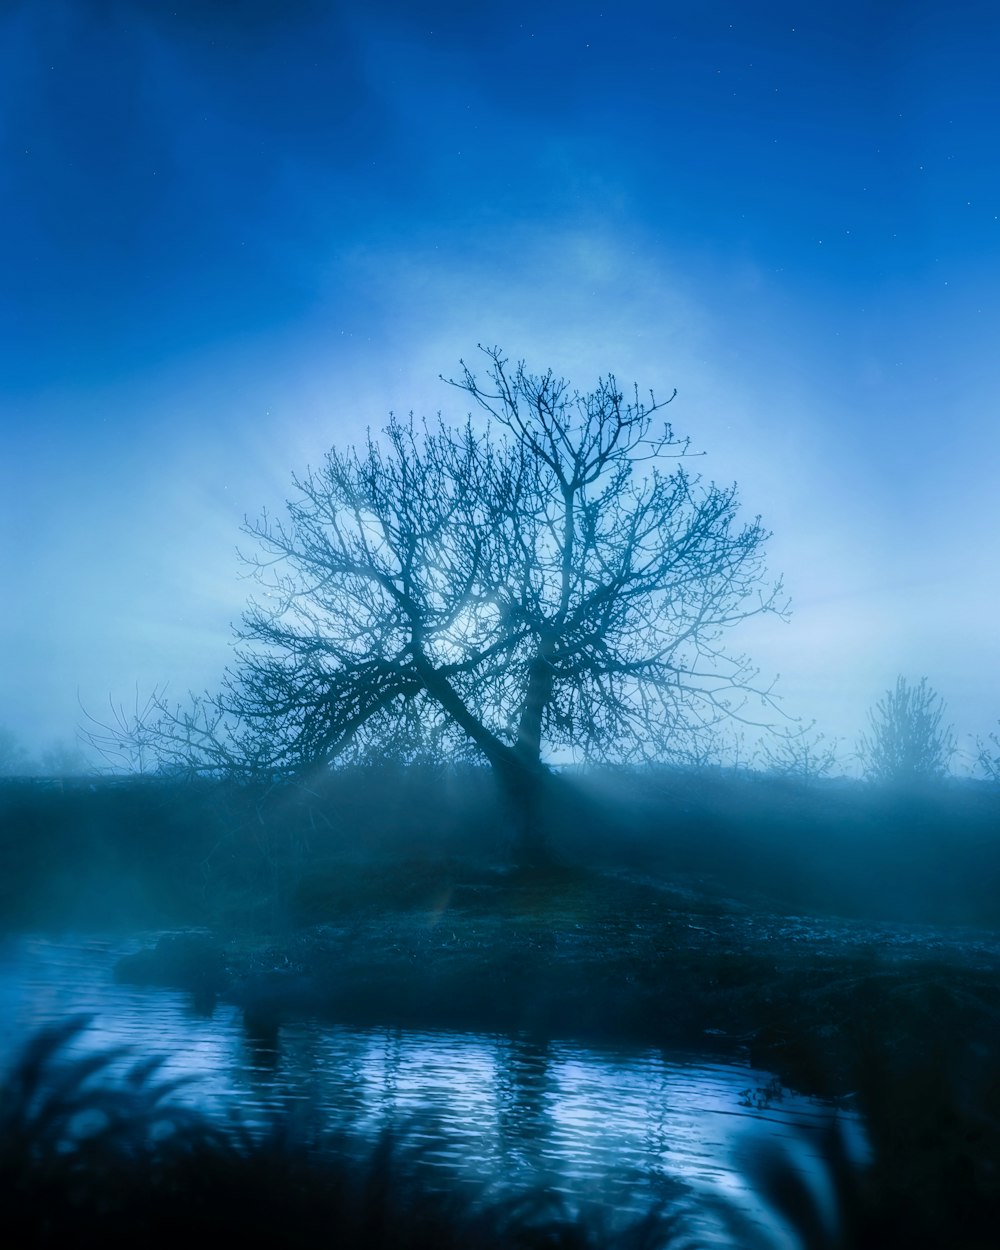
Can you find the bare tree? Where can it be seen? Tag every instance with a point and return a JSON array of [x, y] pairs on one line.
[[64, 759], [906, 743], [14, 758], [543, 582], [147, 738], [988, 757], [801, 755]]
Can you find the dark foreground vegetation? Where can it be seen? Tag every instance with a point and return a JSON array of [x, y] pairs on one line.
[[89, 1160], [123, 1163], [843, 935]]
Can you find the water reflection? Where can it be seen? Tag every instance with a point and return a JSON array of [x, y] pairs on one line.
[[522, 1090], [597, 1122]]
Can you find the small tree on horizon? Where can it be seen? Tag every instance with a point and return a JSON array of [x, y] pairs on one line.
[[802, 756], [906, 743], [15, 760], [988, 757], [542, 583]]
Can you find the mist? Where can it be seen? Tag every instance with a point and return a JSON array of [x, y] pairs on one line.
[[426, 781]]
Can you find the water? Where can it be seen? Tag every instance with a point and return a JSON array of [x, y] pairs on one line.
[[618, 1124]]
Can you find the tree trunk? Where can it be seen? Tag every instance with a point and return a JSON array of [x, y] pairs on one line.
[[523, 791], [521, 776]]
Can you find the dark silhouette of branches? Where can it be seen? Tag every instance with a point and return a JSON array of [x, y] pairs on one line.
[[799, 755], [988, 757], [553, 580]]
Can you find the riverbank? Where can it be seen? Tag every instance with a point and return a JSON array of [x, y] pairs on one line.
[[807, 925], [158, 852], [900, 1022], [844, 938], [605, 956]]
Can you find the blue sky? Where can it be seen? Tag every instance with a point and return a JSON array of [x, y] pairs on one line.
[[232, 236]]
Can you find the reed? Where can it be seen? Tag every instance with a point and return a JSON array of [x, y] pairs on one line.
[[94, 1151], [91, 1158]]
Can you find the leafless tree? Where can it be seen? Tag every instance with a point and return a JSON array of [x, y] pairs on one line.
[[64, 759], [139, 739], [551, 579], [988, 757], [906, 743], [798, 754], [14, 758]]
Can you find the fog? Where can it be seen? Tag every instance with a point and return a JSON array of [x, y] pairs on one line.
[[524, 829], [822, 305]]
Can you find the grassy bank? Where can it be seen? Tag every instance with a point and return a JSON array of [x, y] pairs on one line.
[[809, 925], [255, 855]]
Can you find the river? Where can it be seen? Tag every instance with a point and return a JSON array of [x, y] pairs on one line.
[[617, 1124]]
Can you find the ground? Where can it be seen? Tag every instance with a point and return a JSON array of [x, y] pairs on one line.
[[601, 955]]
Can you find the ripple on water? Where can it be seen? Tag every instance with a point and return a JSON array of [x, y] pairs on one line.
[[592, 1121]]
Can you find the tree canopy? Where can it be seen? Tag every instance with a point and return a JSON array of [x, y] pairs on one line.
[[548, 578]]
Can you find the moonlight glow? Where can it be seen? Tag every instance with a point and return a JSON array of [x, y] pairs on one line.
[[232, 241]]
